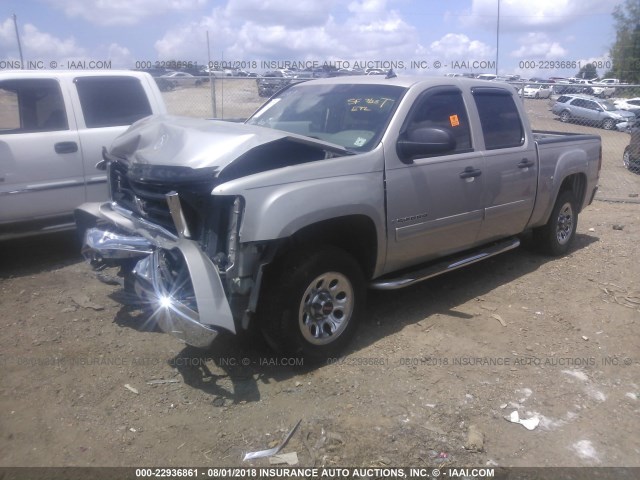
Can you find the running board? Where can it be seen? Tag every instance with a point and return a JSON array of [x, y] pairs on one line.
[[449, 265]]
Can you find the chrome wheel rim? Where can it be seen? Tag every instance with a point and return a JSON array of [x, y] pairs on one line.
[[326, 308], [625, 159], [564, 227]]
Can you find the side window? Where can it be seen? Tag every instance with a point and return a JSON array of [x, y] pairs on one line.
[[499, 117], [445, 110], [31, 105], [112, 101]]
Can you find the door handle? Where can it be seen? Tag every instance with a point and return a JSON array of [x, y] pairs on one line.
[[470, 172], [526, 163], [66, 147]]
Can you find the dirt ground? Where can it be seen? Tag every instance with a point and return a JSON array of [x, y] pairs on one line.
[[428, 363], [433, 374]]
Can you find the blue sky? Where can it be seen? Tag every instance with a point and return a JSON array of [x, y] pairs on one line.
[[459, 34]]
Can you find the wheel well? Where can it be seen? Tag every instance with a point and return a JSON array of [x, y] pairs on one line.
[[577, 184], [355, 234]]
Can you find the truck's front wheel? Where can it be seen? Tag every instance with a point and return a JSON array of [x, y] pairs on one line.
[[556, 237], [312, 302]]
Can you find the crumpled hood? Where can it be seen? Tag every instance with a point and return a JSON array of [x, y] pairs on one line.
[[166, 140]]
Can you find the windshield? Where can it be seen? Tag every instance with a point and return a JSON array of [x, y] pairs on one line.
[[352, 116]]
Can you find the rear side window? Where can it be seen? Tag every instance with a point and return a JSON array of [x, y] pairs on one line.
[[563, 99], [112, 101], [499, 117], [31, 105]]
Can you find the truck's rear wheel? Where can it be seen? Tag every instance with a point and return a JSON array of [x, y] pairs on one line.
[[312, 303], [556, 237]]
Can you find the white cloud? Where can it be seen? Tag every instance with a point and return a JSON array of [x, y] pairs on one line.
[[38, 44], [121, 12], [536, 46], [294, 14], [120, 56], [7, 34], [539, 14], [370, 31], [460, 47]]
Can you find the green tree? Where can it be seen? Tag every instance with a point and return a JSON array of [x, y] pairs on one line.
[[588, 72], [625, 52]]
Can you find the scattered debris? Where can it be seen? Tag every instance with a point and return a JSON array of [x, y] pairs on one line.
[[592, 229], [585, 338], [282, 458], [617, 226], [130, 388], [633, 195], [475, 439], [84, 301], [622, 296], [272, 451], [499, 318], [161, 381], [529, 423], [503, 406], [585, 450]]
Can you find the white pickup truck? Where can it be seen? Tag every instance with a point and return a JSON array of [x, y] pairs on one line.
[[53, 126]]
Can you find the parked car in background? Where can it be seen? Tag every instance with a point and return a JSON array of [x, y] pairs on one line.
[[591, 111], [182, 79], [563, 88], [603, 90], [627, 103], [536, 91], [273, 81], [53, 127]]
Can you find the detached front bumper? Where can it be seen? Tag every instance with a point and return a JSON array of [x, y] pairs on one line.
[[171, 273]]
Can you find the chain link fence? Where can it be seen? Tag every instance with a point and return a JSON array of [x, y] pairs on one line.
[[575, 108]]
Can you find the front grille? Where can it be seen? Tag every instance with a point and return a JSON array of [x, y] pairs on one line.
[[146, 198]]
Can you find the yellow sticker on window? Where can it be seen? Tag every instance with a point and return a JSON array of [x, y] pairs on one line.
[[454, 120]]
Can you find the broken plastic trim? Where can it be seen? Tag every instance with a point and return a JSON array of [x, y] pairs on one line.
[[272, 451]]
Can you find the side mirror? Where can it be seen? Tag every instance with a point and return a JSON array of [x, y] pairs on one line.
[[425, 141]]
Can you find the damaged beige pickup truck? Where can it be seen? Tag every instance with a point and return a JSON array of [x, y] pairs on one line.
[[333, 187]]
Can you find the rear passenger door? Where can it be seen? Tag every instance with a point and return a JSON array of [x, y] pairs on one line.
[[41, 173], [510, 164]]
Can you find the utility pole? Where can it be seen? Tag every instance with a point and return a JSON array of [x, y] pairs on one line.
[[212, 79], [498, 38], [15, 24]]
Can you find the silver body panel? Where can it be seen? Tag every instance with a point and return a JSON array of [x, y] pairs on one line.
[[421, 210]]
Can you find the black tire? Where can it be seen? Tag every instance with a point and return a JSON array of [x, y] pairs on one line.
[[557, 236], [537, 96], [608, 124], [312, 303], [565, 116]]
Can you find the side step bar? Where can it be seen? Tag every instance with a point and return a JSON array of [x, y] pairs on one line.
[[433, 270]]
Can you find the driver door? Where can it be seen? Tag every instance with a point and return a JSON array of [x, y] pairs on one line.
[[434, 202]]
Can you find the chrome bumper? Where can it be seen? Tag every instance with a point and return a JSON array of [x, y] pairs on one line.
[[196, 318]]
